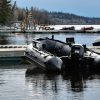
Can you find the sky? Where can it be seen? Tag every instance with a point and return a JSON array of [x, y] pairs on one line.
[[87, 8]]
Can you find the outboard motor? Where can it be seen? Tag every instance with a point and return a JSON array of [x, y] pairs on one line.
[[77, 54], [77, 51], [74, 62], [70, 40]]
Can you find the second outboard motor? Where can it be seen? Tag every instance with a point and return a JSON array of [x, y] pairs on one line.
[[77, 51], [70, 40]]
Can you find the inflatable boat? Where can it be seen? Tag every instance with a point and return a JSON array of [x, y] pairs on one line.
[[55, 55]]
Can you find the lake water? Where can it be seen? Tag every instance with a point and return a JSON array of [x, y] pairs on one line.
[[15, 85], [22, 38]]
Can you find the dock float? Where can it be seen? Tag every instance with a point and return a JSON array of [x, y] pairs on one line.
[[12, 54]]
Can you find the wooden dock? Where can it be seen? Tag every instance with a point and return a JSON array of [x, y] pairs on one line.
[[12, 54], [12, 50]]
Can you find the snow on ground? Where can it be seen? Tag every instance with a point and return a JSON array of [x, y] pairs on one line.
[[77, 27]]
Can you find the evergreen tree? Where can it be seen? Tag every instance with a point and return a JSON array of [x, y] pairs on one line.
[[5, 11]]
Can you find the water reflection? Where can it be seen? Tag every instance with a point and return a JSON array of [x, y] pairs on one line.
[[67, 86], [75, 85], [47, 87], [76, 81], [3, 40], [2, 79]]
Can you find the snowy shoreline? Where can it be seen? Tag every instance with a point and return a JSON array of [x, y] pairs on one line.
[[77, 27]]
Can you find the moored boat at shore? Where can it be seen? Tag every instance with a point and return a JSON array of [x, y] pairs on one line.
[[96, 42], [56, 55]]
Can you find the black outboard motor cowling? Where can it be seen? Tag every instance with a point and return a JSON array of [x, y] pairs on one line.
[[77, 51], [70, 40]]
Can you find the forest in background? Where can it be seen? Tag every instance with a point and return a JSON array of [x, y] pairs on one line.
[[11, 13]]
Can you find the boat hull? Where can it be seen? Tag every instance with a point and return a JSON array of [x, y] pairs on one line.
[[45, 60]]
